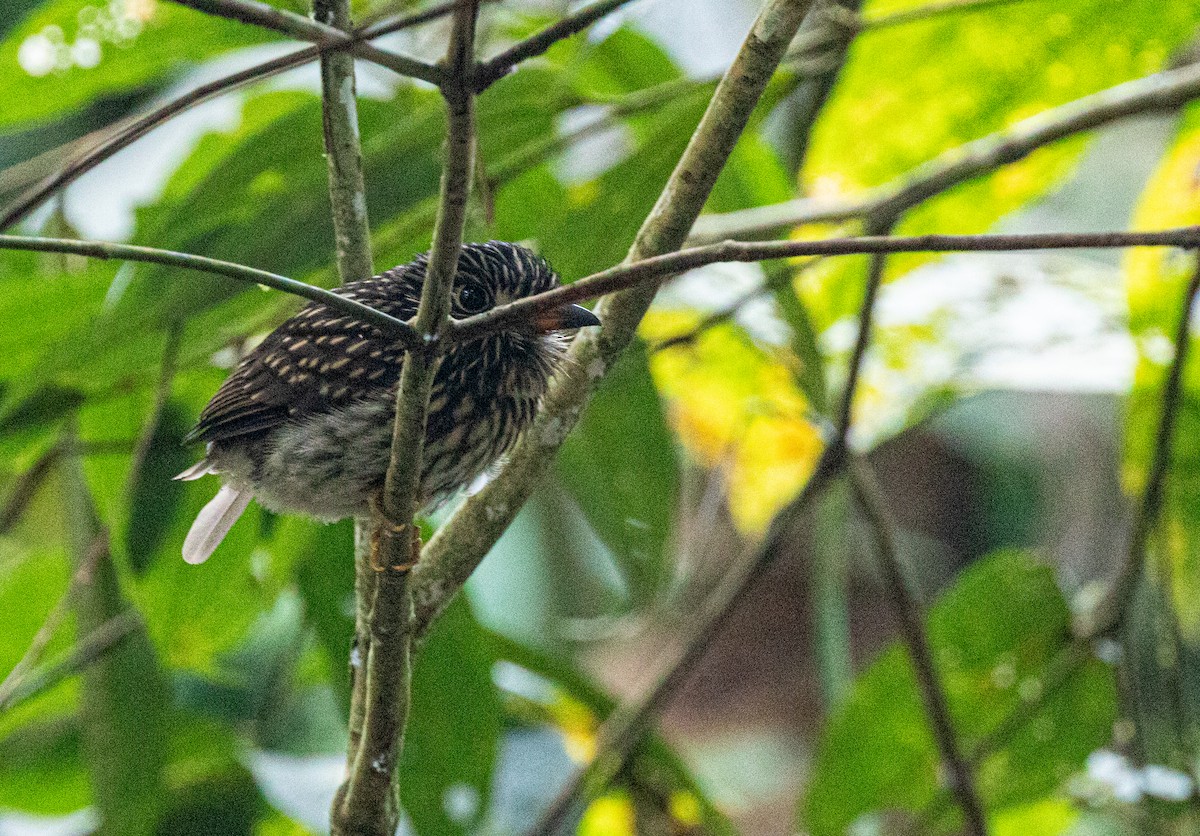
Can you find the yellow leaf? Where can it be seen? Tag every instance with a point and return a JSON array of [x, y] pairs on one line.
[[737, 407]]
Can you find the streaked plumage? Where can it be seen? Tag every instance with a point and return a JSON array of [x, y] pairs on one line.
[[304, 423]]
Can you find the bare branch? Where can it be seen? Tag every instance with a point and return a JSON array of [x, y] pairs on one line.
[[303, 29], [390, 325], [1167, 90], [1108, 614], [352, 237], [490, 71], [907, 612], [657, 269], [366, 803]]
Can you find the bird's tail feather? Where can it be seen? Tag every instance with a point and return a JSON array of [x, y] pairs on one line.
[[213, 523], [200, 468]]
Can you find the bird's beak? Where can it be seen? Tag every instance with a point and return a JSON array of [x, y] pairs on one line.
[[564, 317]]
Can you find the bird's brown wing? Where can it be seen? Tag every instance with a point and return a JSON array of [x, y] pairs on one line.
[[313, 362]]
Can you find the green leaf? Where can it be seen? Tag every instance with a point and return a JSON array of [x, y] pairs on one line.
[[621, 467], [155, 497], [453, 735], [995, 636], [41, 770], [324, 572], [124, 698], [105, 49], [910, 92]]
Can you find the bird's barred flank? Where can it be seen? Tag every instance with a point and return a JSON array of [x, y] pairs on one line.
[[304, 422]]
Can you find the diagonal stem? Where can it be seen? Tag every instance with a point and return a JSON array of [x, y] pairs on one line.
[[1109, 613], [459, 545], [907, 612]]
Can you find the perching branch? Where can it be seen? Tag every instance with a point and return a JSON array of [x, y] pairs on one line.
[[656, 269], [367, 802], [390, 325], [1108, 614], [490, 71], [125, 134], [907, 612], [304, 29], [1163, 91], [461, 543]]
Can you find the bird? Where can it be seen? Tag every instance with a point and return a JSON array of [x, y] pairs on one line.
[[303, 424]]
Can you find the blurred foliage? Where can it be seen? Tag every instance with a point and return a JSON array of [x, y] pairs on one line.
[[223, 710], [994, 662]]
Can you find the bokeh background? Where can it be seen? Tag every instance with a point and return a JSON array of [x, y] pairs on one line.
[[1007, 407]]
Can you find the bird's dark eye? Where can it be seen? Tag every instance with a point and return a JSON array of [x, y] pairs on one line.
[[472, 299]]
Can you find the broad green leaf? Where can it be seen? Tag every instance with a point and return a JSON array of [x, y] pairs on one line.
[[196, 612], [33, 287], [69, 53], [910, 92], [878, 752], [620, 466], [453, 734], [324, 571]]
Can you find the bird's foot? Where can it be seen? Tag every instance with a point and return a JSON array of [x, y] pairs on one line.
[[386, 529]]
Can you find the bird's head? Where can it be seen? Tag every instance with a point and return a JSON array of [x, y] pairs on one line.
[[524, 353]]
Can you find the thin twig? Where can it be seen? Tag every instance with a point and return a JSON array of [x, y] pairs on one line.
[[91, 648], [866, 319], [25, 487], [305, 29], [390, 325], [907, 612], [711, 321], [15, 682], [492, 70], [1163, 91], [1108, 614], [656, 269], [125, 134]]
